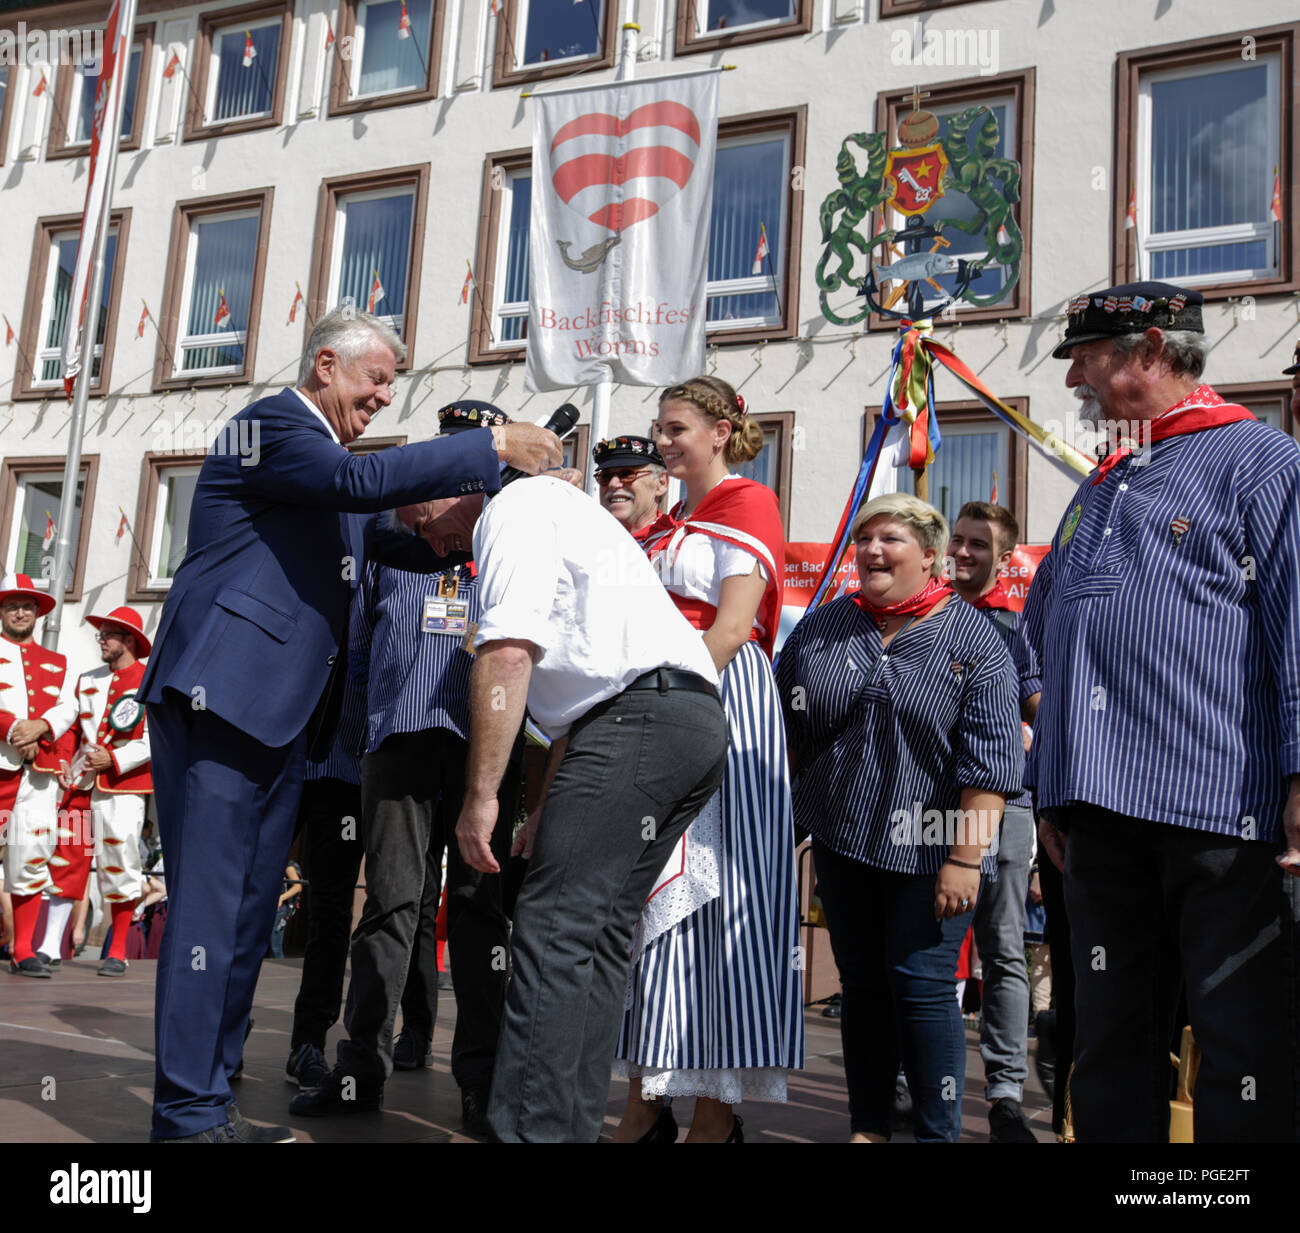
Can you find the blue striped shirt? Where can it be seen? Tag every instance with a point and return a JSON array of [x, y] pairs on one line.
[[415, 680], [1022, 659], [1166, 619], [885, 741]]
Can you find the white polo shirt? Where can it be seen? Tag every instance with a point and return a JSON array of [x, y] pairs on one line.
[[557, 570]]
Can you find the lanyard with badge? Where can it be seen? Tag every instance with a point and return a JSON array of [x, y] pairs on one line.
[[445, 613]]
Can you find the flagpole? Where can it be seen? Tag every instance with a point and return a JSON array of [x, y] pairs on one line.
[[89, 328], [605, 388]]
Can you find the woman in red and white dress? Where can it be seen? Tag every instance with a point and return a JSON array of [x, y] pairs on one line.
[[714, 1004]]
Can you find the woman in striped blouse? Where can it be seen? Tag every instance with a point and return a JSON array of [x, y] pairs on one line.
[[715, 1006], [904, 730]]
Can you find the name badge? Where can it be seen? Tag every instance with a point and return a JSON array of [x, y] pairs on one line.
[[446, 616]]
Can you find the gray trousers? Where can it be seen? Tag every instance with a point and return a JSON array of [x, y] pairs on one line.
[[1000, 936], [637, 770]]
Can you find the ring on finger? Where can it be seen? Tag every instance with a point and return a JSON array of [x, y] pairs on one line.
[[965, 903]]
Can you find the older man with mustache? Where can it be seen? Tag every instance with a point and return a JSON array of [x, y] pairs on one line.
[[1167, 742]]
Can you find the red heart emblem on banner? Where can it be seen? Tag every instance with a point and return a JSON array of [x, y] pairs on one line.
[[592, 182]]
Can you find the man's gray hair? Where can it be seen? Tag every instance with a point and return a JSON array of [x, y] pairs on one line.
[[1187, 350], [349, 333]]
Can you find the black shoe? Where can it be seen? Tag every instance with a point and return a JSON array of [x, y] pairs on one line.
[[53, 964], [1007, 1123], [833, 1008], [307, 1067], [473, 1112], [664, 1130], [340, 1093], [411, 1052], [29, 967], [1045, 1052], [238, 1072], [444, 980], [902, 1104], [737, 1135], [246, 1132], [111, 967], [225, 1133]]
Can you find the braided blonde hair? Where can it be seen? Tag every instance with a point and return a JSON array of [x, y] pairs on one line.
[[717, 400]]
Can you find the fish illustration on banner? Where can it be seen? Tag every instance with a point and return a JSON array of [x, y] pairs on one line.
[[618, 247]]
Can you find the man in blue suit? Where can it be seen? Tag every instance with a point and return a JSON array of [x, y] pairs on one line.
[[245, 678]]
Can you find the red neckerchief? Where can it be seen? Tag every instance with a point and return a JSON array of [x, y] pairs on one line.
[[1201, 409], [996, 598], [741, 512], [917, 605]]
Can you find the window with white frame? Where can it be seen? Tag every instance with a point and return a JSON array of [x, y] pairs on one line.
[[38, 502], [372, 242], [973, 461], [1208, 143], [81, 103], [547, 32], [750, 178], [241, 74], [219, 266], [510, 288], [958, 210], [55, 306], [171, 521], [719, 16], [391, 47]]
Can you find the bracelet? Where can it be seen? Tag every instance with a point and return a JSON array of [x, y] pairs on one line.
[[952, 860]]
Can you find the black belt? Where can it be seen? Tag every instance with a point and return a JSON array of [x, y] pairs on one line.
[[664, 679]]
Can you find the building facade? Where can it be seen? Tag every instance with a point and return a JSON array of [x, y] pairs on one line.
[[280, 156]]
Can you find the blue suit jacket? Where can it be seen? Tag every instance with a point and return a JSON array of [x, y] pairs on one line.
[[252, 625]]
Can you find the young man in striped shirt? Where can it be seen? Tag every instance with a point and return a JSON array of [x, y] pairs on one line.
[[1167, 745]]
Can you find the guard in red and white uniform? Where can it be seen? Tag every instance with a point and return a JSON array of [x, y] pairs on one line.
[[35, 711], [112, 764]]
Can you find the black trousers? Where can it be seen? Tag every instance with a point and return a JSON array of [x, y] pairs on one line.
[[1150, 903], [411, 792], [1058, 941], [329, 830]]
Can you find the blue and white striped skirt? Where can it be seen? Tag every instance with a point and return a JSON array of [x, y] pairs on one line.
[[722, 990]]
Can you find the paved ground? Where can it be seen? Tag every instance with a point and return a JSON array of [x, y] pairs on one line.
[[77, 1066]]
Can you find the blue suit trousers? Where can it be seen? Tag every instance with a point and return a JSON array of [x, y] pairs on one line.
[[226, 810]]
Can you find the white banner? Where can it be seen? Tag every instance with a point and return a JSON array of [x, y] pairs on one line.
[[619, 245], [112, 69]]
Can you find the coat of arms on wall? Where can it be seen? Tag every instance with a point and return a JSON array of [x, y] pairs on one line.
[[904, 263]]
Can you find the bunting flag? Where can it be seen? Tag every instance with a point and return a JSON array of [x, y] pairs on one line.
[[329, 34], [1275, 205], [404, 25], [50, 532], [993, 495], [469, 279], [297, 299], [762, 250], [1131, 214], [144, 316], [250, 52], [910, 394], [121, 526], [9, 331], [495, 8], [172, 65], [223, 310], [40, 86], [376, 294]]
